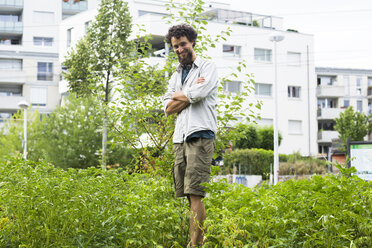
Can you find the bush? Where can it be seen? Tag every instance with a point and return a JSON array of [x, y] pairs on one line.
[[257, 162], [43, 206], [252, 161], [252, 136]]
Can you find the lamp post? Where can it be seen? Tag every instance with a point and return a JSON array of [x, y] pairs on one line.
[[276, 37], [24, 105]]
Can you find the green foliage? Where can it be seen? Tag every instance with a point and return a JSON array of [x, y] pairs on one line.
[[266, 137], [42, 206], [252, 136], [98, 58], [353, 125], [93, 64], [325, 211], [11, 135], [69, 137], [252, 161], [257, 162]]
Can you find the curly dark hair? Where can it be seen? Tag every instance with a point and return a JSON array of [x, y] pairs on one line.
[[181, 30]]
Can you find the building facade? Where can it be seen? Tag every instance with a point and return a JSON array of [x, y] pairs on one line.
[[337, 89], [29, 45], [249, 41]]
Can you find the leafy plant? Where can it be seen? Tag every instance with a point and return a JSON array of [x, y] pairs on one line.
[[44, 206], [353, 125]]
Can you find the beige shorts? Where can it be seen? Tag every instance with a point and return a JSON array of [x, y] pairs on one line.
[[192, 166]]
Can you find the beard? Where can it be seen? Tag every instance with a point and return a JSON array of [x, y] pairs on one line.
[[187, 60]]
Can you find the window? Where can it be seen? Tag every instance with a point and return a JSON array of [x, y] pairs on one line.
[[294, 91], [69, 35], [346, 103], [369, 81], [327, 103], [326, 125], [232, 86], [346, 85], [43, 17], [43, 41], [9, 18], [231, 51], [262, 54], [38, 96], [10, 90], [360, 106], [263, 89], [294, 58], [11, 64], [326, 80], [294, 127], [358, 86], [265, 122], [45, 71], [10, 41]]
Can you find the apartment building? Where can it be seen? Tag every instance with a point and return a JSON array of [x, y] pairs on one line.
[[249, 41], [337, 89], [29, 61]]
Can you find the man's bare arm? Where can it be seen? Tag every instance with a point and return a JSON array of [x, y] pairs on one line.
[[175, 106]]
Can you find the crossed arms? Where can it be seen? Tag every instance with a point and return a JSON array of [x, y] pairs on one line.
[[179, 100]]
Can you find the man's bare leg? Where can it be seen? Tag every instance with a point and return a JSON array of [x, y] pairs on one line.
[[197, 217]]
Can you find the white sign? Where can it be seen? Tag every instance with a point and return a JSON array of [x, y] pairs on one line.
[[361, 155]]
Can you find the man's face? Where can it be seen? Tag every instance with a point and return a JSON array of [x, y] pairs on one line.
[[183, 48]]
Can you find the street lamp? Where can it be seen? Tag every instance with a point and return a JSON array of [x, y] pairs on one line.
[[24, 105], [276, 37]]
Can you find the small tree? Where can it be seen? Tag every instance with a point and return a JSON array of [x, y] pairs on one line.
[[94, 63], [352, 124]]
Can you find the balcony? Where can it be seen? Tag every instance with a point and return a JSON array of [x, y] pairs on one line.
[[71, 7], [13, 76], [10, 102], [327, 136], [330, 91], [11, 6], [11, 28], [329, 113]]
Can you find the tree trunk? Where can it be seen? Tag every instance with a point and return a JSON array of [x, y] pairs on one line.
[[104, 134]]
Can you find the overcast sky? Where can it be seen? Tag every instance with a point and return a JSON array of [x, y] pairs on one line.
[[342, 29]]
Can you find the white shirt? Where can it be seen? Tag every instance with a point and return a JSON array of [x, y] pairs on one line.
[[201, 113]]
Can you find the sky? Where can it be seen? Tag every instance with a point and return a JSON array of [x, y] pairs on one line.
[[342, 29]]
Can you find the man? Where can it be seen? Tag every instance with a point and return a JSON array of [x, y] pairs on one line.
[[192, 95]]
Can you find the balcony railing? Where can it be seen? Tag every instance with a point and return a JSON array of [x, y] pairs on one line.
[[73, 6], [330, 91], [11, 3], [327, 136], [11, 27], [10, 102], [329, 113]]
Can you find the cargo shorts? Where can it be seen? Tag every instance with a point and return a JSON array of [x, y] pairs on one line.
[[192, 166]]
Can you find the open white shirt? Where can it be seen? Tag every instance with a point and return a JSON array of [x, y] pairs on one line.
[[201, 113]]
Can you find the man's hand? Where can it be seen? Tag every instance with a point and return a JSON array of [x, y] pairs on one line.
[[200, 80], [179, 100]]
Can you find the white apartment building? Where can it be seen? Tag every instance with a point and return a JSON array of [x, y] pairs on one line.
[[337, 89], [29, 43], [249, 41]]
